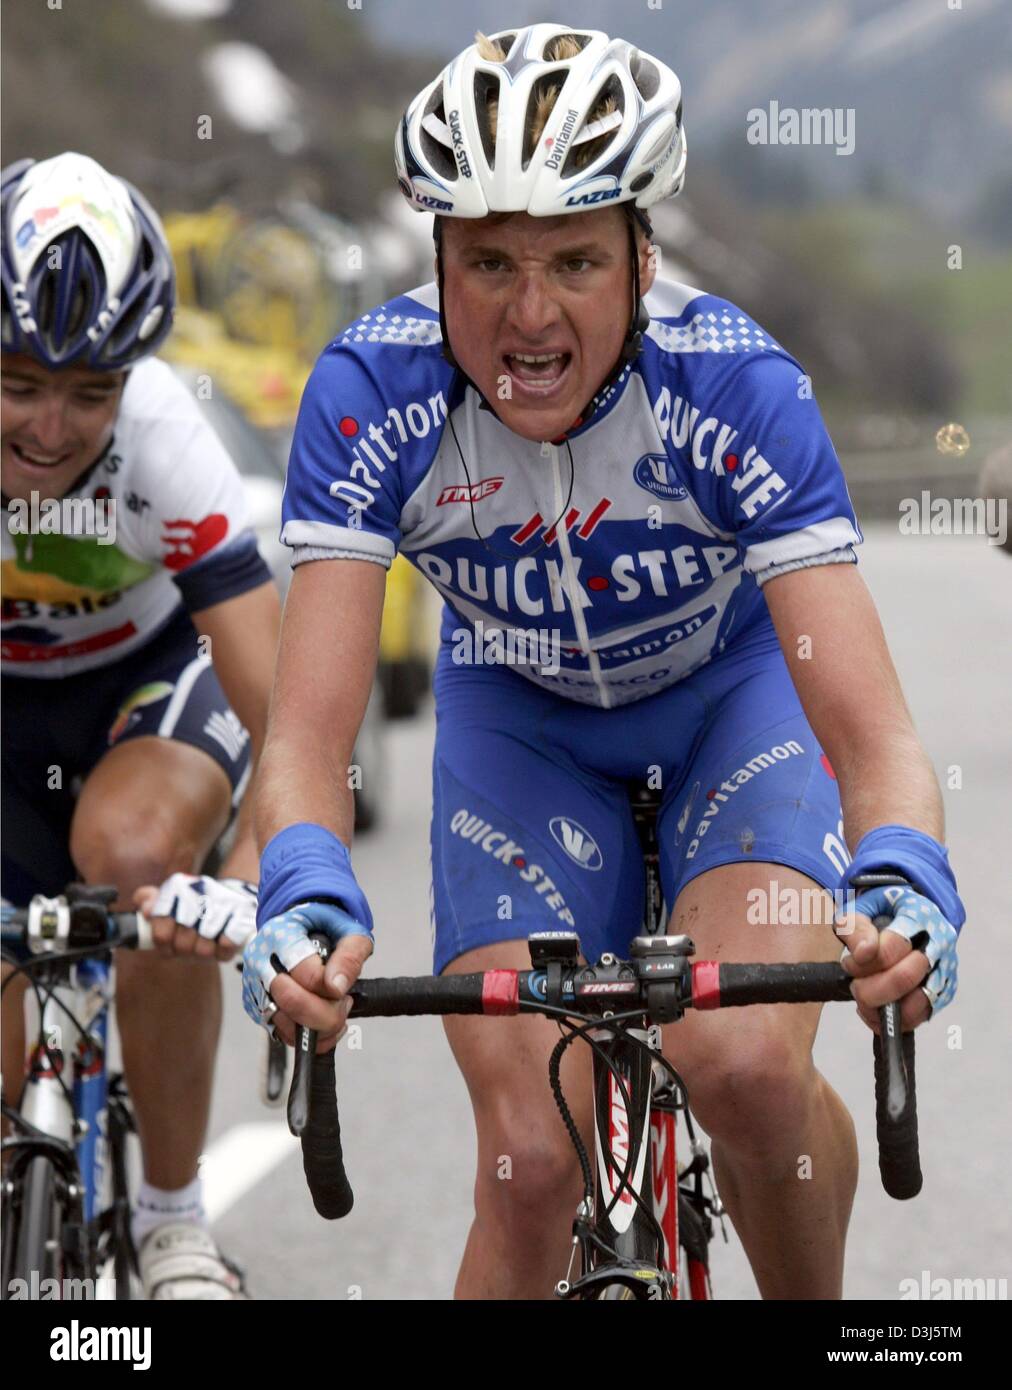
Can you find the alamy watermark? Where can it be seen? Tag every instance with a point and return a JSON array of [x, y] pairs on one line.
[[83, 1343], [957, 516], [39, 1289], [511, 646], [939, 1288], [63, 516], [778, 906], [787, 125]]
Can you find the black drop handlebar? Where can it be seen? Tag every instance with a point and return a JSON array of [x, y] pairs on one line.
[[660, 983]]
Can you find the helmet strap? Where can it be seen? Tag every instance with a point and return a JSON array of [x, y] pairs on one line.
[[437, 237], [640, 321]]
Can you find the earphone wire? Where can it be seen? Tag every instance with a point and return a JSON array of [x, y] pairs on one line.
[[470, 497]]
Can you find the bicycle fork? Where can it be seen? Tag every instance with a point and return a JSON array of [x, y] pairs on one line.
[[65, 1115], [624, 1243]]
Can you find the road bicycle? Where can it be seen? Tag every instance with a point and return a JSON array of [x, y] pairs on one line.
[[643, 1227], [65, 1198]]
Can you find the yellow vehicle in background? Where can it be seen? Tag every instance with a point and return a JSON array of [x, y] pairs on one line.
[[407, 641], [265, 382], [265, 279], [256, 305]]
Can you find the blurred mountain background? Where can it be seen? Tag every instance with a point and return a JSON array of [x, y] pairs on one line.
[[845, 259]]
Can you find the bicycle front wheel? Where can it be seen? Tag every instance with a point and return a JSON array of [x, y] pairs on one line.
[[32, 1235]]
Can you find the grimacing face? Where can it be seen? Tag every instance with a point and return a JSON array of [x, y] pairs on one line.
[[558, 289], [54, 424]]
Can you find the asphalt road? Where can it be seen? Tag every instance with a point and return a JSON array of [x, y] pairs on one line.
[[945, 604]]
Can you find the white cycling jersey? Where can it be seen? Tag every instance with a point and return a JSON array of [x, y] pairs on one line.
[[78, 596]]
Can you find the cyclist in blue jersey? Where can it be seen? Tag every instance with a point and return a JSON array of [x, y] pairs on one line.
[[625, 493], [126, 738]]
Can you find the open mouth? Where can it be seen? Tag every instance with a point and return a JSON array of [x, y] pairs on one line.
[[537, 373], [42, 463]]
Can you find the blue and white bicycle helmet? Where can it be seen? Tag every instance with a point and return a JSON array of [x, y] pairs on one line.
[[106, 299], [545, 120], [477, 141]]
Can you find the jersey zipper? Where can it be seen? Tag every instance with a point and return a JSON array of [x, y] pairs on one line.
[[572, 584]]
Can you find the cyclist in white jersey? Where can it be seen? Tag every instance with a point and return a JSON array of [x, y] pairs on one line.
[[139, 635], [628, 483]]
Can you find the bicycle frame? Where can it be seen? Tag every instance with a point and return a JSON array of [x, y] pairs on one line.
[[81, 1123], [624, 1131], [73, 1113], [651, 1128]]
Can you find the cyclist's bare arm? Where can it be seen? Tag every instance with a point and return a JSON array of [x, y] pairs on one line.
[[326, 664], [241, 636], [852, 698], [243, 633]]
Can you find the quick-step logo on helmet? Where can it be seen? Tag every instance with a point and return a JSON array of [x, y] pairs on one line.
[[561, 142], [577, 842], [457, 136]]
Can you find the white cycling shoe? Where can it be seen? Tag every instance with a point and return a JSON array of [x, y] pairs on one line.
[[180, 1260]]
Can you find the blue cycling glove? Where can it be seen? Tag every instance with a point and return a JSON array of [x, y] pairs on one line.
[[306, 885], [281, 944], [918, 858], [922, 923], [307, 863]]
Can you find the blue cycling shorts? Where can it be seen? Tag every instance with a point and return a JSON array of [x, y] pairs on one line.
[[532, 828]]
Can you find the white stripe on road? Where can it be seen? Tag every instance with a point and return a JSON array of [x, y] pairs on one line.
[[239, 1159]]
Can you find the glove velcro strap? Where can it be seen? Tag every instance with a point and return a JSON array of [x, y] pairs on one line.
[[306, 863], [919, 858]]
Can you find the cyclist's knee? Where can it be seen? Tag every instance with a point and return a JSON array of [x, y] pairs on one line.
[[12, 1036], [129, 851], [756, 1093], [527, 1166]]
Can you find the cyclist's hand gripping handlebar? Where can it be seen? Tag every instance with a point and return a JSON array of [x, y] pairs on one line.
[[895, 1095], [312, 1118]]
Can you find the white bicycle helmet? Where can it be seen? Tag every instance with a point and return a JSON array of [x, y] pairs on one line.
[[107, 300], [449, 163]]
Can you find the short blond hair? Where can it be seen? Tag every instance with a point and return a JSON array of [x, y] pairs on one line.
[[558, 50]]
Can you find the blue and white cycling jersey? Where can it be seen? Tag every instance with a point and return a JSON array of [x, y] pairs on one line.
[[704, 470]]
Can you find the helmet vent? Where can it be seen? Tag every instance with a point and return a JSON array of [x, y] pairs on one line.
[[6, 320], [128, 325], [645, 75], [563, 47], [609, 101], [438, 154], [662, 142], [486, 105]]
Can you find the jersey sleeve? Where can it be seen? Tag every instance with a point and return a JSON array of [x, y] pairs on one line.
[[773, 478], [343, 490], [189, 512]]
